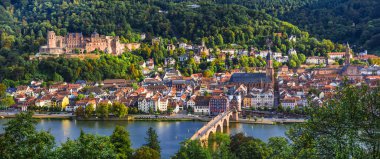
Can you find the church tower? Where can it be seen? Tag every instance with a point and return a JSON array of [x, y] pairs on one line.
[[348, 55], [269, 67]]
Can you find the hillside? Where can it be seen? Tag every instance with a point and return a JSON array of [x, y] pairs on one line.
[[218, 25], [353, 21]]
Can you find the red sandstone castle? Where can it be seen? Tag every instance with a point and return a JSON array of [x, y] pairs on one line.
[[76, 43]]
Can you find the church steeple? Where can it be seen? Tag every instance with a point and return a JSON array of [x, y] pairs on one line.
[[269, 67], [348, 55]]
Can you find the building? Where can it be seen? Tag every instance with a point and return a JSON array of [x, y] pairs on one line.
[[77, 43], [256, 80], [201, 105], [316, 60], [338, 55], [218, 104], [262, 98], [247, 101], [145, 105], [235, 103]]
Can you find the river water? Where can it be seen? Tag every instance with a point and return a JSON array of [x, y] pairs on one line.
[[170, 133]]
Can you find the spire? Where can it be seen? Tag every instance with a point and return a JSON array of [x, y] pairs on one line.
[[348, 55], [269, 55]]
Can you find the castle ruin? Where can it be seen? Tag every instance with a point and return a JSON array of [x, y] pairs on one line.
[[77, 43]]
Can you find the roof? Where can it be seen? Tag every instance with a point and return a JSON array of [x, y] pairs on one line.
[[336, 53], [249, 78]]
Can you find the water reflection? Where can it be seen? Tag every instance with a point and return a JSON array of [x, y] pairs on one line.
[[171, 134]]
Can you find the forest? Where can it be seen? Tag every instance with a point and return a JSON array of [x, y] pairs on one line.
[[353, 21], [24, 25]]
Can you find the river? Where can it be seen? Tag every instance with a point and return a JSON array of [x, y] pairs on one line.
[[171, 134]]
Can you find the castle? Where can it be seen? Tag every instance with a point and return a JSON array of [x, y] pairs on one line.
[[77, 43]]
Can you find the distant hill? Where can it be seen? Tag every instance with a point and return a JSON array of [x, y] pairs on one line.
[[353, 21]]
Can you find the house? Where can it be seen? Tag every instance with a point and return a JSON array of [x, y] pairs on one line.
[[247, 101], [292, 52], [293, 38], [182, 45], [162, 104], [183, 58], [316, 60], [81, 103], [145, 104], [115, 82], [337, 55], [197, 59], [218, 104], [169, 61], [191, 103], [170, 47], [289, 102], [156, 40], [150, 64], [61, 101], [201, 105], [262, 98]]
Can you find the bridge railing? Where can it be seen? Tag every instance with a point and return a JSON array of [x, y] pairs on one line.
[[202, 131]]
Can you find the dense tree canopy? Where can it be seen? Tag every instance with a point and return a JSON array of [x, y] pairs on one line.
[[25, 24], [21, 140]]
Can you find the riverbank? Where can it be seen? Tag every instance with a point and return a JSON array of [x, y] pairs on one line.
[[177, 117], [39, 116]]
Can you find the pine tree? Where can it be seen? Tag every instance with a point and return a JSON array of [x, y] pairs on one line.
[[152, 140], [120, 139]]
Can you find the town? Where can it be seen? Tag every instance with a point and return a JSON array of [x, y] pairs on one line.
[[190, 79], [265, 88]]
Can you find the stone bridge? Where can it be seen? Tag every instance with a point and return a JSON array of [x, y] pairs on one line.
[[218, 124]]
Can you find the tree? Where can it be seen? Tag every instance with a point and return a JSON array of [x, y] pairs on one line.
[[146, 153], [80, 112], [352, 133], [3, 88], [87, 146], [120, 139], [280, 109], [170, 111], [248, 147], [57, 78], [79, 97], [119, 109], [219, 144], [7, 101], [152, 140], [302, 58], [292, 64], [192, 149], [102, 110], [21, 140], [89, 110], [279, 148]]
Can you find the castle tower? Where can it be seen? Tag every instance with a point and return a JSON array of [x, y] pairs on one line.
[[348, 55], [269, 67], [51, 39]]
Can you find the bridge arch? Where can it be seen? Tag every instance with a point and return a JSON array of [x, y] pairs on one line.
[[219, 129], [225, 122], [209, 135]]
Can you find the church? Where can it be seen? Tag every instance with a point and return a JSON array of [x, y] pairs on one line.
[[259, 80]]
